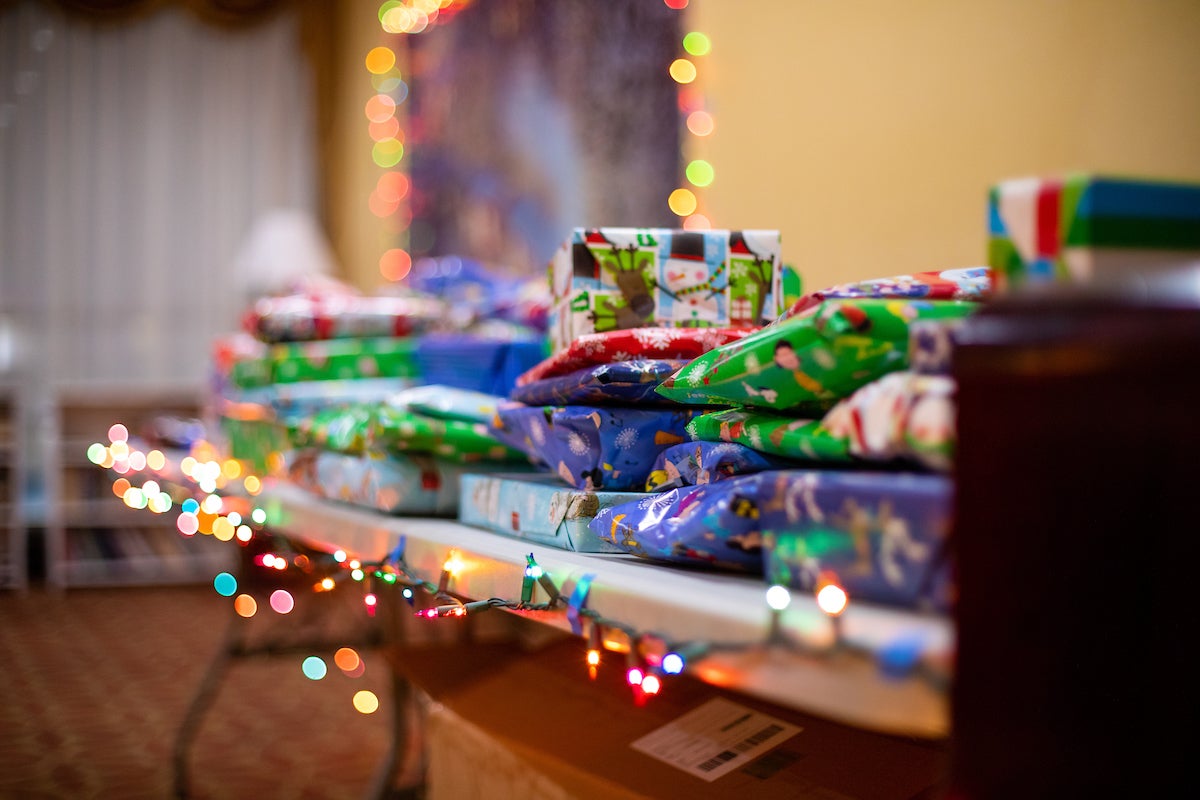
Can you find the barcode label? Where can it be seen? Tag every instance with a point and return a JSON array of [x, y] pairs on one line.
[[715, 738]]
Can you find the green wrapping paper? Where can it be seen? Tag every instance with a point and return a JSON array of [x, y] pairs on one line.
[[342, 429], [807, 363], [344, 359], [400, 431], [766, 432]]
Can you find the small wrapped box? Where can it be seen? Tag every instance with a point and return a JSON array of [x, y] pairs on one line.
[[606, 279], [1087, 227], [538, 508]]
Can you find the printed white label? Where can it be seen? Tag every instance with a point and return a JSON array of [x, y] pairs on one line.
[[714, 738]]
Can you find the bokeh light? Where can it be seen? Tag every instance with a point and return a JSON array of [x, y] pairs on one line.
[[778, 597], [697, 222], [253, 485], [96, 453], [832, 599], [314, 668], [245, 606], [683, 71], [381, 59], [118, 433], [155, 460], [380, 107], [347, 659], [387, 153], [120, 487], [700, 172], [682, 202], [388, 129], [365, 702], [282, 602], [697, 43], [392, 186], [677, 5], [225, 584], [700, 123], [395, 264], [187, 524]]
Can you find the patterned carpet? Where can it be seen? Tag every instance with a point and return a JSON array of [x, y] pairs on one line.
[[94, 684]]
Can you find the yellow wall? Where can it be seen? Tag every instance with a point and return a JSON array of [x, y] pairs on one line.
[[869, 132]]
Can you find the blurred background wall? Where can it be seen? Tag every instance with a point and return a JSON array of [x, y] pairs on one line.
[[148, 155]]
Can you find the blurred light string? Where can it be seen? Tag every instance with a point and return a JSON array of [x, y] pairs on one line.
[[387, 124], [696, 122]]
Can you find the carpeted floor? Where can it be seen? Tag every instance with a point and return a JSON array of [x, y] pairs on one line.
[[94, 684]]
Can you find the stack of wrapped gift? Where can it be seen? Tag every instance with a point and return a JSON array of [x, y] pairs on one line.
[[629, 308], [841, 444], [315, 388]]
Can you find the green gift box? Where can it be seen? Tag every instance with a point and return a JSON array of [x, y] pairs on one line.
[[1089, 227], [767, 432], [344, 359], [806, 363]]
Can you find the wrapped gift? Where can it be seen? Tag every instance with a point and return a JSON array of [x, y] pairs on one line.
[[880, 536], [593, 447], [412, 485], [965, 283], [402, 431], [616, 278], [448, 402], [344, 359], [623, 382], [479, 363], [538, 508], [902, 416], [767, 432], [931, 345], [343, 314], [808, 362], [1089, 227], [594, 349], [698, 463], [292, 401], [713, 525]]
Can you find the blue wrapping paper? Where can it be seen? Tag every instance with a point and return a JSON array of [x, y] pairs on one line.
[[713, 525], [880, 535], [697, 463], [447, 402], [623, 382], [478, 363], [593, 447]]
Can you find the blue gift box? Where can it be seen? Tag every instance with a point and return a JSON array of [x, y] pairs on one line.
[[538, 508]]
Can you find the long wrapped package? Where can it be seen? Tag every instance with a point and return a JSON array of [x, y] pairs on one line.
[[881, 536], [698, 463], [594, 349], [605, 279], [344, 359], [341, 315], [479, 363], [963, 283], [623, 382], [593, 447], [808, 362], [1081, 228], [456, 429], [538, 508], [775, 434], [408, 485], [903, 416]]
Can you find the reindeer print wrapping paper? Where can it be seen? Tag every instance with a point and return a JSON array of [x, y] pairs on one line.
[[805, 364], [593, 447], [605, 279]]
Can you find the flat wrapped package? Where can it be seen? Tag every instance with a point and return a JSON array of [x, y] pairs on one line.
[[343, 315], [880, 535], [697, 463], [622, 382], [592, 447], [537, 508], [403, 485], [962, 283], [594, 349], [808, 362]]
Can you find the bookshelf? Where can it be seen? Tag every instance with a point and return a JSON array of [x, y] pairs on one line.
[[92, 538]]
